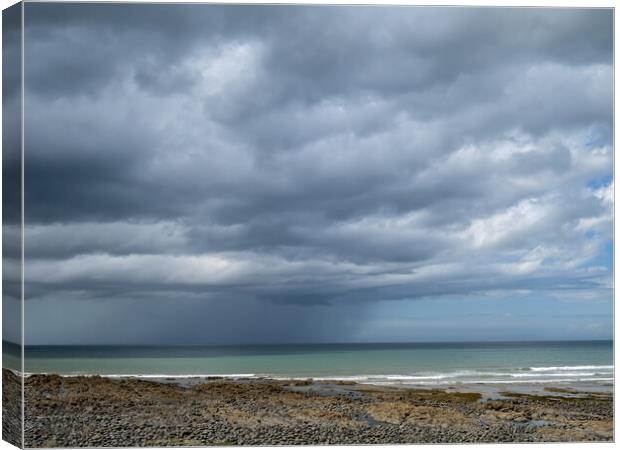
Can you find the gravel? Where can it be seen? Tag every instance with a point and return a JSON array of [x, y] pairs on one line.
[[101, 412]]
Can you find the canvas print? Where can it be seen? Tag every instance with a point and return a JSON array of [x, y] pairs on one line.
[[306, 224]]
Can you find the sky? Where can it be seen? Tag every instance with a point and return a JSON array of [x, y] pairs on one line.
[[200, 174]]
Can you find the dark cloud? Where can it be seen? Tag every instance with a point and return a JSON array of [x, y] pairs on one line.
[[11, 172], [311, 157]]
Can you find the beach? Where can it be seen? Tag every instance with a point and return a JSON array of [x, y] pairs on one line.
[[95, 411]]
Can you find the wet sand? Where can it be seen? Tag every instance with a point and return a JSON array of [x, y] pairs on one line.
[[102, 412]]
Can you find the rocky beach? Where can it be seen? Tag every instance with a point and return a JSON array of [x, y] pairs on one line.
[[11, 408], [95, 411]]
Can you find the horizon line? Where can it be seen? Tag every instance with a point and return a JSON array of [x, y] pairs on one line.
[[512, 341]]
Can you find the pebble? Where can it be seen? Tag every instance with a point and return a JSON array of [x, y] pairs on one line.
[[101, 412]]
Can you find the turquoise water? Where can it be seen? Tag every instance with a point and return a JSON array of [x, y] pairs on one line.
[[429, 363]]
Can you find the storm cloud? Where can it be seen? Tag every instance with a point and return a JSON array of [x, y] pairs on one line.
[[205, 173]]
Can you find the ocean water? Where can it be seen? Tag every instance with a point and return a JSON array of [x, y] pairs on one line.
[[419, 363]]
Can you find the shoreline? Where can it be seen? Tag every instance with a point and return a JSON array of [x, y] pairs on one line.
[[388, 380], [77, 411], [488, 389]]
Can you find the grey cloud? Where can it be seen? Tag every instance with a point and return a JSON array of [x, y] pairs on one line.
[[315, 157]]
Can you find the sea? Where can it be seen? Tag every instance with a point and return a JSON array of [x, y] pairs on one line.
[[380, 363]]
